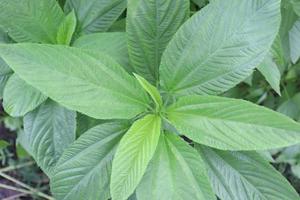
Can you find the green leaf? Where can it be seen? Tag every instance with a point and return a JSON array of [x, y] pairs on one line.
[[152, 91], [20, 98], [150, 26], [175, 172], [219, 46], [246, 176], [95, 15], [3, 144], [83, 172], [31, 20], [295, 42], [48, 130], [270, 71], [112, 44], [133, 155], [85, 81], [232, 124], [66, 29], [296, 6]]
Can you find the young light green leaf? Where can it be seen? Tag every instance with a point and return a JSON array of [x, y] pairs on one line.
[[152, 91], [20, 98], [48, 130], [90, 159], [219, 46], [270, 71], [95, 15], [150, 26], [133, 155], [66, 29], [175, 172], [295, 42], [113, 44], [232, 124], [245, 175], [31, 20], [85, 81]]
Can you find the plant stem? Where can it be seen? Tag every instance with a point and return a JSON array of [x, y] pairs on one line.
[[34, 191], [15, 189], [10, 168]]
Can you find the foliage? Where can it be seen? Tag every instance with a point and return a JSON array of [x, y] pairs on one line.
[[166, 109]]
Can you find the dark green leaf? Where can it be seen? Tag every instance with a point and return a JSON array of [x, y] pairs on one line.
[[31, 20], [112, 44], [232, 124], [48, 130], [20, 98], [83, 172], [85, 81], [219, 46], [245, 176], [95, 15], [150, 26]]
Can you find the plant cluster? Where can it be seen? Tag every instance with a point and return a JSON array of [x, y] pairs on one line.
[[153, 112]]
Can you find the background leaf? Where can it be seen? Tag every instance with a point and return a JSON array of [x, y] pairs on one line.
[[245, 175], [176, 171], [95, 15], [31, 20], [48, 130], [219, 46], [133, 155], [270, 71], [232, 124], [201, 3], [150, 26], [85, 81], [20, 98], [90, 160], [295, 42]]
